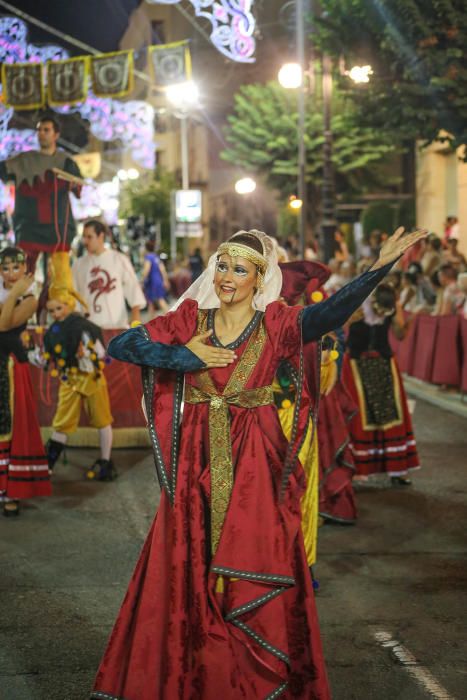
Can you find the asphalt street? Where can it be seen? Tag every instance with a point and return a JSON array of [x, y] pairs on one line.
[[393, 588]]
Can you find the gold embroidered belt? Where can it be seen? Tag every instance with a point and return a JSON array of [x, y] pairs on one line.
[[220, 444]]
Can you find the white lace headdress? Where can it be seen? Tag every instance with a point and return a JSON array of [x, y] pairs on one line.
[[202, 290]]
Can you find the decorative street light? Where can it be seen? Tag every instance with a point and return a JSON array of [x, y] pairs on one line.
[[290, 76], [360, 74], [184, 97], [246, 185], [295, 203]]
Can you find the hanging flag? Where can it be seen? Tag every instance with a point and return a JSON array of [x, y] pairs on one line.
[[67, 81], [23, 87], [112, 74], [170, 63]]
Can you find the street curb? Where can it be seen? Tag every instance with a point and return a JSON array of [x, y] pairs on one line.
[[432, 394]]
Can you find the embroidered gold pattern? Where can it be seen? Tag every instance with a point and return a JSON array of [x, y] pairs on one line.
[[220, 447], [378, 392], [238, 250]]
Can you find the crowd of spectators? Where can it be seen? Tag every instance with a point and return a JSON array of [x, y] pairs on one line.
[[431, 279]]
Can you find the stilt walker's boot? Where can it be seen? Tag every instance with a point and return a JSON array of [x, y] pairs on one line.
[[53, 450]]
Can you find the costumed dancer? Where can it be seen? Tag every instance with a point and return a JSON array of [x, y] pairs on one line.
[[74, 346], [221, 602], [296, 278], [23, 464], [381, 432]]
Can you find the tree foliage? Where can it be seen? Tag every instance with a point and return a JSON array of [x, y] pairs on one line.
[[151, 200], [417, 50], [263, 138]]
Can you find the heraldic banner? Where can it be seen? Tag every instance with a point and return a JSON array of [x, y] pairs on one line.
[[22, 85], [67, 81], [170, 63], [112, 74]]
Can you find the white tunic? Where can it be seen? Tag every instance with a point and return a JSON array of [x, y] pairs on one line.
[[105, 281]]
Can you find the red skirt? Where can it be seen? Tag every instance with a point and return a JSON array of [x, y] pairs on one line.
[[337, 468], [385, 448], [24, 471]]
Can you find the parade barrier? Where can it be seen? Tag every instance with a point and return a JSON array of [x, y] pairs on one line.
[[434, 350], [125, 392]]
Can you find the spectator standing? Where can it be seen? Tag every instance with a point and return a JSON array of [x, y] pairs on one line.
[[426, 289], [341, 250], [155, 280], [452, 297], [408, 295], [336, 280], [431, 258], [451, 228], [453, 256], [106, 280], [196, 264]]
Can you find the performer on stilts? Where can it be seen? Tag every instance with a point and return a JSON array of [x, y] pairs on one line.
[[23, 465], [381, 432], [221, 602], [42, 220]]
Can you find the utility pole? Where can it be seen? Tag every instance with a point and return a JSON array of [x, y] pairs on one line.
[[302, 194], [328, 220]]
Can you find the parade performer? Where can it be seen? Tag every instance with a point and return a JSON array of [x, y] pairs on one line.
[[74, 346], [221, 602], [106, 280], [42, 220], [23, 465], [381, 432], [296, 280]]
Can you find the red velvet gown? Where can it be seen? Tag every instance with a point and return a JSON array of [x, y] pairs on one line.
[[178, 634], [24, 471], [337, 466]]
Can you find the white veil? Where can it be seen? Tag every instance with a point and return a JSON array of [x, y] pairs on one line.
[[202, 289]]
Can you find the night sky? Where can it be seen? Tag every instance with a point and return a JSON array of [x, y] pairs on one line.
[[99, 23]]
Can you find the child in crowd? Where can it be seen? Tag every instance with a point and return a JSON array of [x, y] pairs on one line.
[[75, 346], [23, 463]]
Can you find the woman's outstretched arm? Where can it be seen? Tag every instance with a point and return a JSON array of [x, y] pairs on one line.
[[324, 317], [319, 319]]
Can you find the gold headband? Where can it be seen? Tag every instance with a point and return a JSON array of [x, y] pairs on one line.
[[239, 250]]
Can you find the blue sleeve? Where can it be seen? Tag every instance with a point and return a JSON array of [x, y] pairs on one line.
[[319, 319], [132, 346]]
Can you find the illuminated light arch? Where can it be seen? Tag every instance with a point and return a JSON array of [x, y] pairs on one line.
[[232, 25], [132, 122]]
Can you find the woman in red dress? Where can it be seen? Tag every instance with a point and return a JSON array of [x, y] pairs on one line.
[[221, 603], [24, 472]]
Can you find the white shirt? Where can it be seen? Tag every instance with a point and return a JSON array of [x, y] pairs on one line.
[[105, 281]]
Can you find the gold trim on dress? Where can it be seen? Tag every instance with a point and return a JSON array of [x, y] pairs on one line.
[[220, 442]]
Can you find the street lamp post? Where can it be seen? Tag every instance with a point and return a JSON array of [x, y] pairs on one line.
[[183, 97], [300, 33], [328, 220]]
